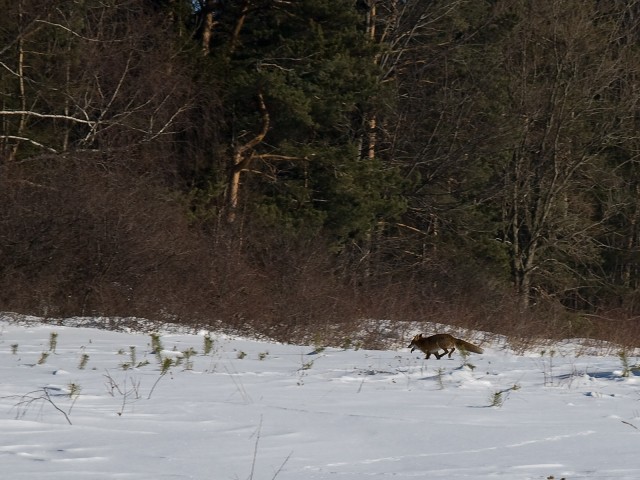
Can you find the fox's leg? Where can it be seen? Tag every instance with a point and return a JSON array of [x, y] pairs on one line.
[[452, 350], [446, 352], [428, 355], [441, 355]]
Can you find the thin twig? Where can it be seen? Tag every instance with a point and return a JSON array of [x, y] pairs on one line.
[[28, 399], [48, 398], [255, 450], [282, 466]]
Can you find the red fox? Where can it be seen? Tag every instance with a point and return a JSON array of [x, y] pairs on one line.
[[442, 341]]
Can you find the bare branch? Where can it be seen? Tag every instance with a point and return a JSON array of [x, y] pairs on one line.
[[6, 67], [67, 29], [114, 95], [31, 113], [32, 142], [283, 158]]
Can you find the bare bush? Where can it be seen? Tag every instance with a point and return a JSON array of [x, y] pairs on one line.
[[84, 238]]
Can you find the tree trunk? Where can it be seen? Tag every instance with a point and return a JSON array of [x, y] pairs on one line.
[[208, 24], [242, 156], [235, 36]]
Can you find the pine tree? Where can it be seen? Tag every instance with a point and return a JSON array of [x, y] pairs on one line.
[[296, 78]]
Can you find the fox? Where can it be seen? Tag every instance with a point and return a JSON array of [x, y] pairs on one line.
[[441, 341]]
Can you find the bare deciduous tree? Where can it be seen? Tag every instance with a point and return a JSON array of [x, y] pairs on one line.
[[561, 62], [90, 76]]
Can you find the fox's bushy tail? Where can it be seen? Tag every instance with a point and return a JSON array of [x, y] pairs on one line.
[[469, 347]]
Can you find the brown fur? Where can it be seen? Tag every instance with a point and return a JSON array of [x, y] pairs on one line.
[[441, 341]]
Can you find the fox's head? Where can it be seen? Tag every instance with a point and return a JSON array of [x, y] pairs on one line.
[[414, 342]]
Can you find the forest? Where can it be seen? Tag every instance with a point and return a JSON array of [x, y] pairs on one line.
[[295, 168]]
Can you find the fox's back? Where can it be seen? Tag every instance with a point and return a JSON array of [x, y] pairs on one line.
[[434, 342], [441, 340]]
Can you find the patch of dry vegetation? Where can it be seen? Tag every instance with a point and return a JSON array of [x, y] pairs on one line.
[[89, 239]]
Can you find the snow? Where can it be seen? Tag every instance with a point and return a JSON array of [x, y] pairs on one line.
[[262, 410]]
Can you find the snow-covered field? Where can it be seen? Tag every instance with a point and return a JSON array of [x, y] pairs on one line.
[[259, 410]]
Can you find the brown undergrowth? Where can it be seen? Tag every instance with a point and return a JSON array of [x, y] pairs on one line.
[[87, 239]]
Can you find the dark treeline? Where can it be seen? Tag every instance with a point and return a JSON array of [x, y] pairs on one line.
[[292, 166]]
